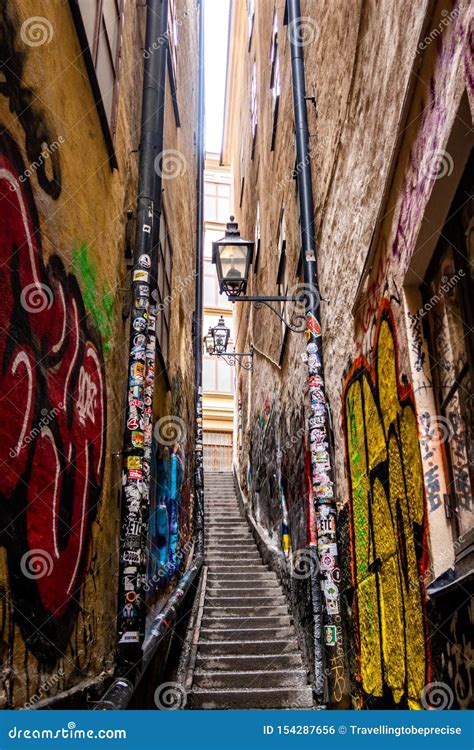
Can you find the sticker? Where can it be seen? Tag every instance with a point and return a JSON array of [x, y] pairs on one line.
[[327, 562], [140, 276], [138, 370], [316, 381], [330, 635], [332, 606], [313, 325], [135, 403], [143, 290], [144, 261], [312, 348], [141, 303], [133, 423], [134, 462], [137, 439], [131, 637], [336, 574], [139, 324], [135, 474], [131, 596], [331, 590], [139, 340]]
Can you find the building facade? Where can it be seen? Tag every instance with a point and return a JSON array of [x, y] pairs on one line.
[[218, 376], [70, 104], [390, 116]]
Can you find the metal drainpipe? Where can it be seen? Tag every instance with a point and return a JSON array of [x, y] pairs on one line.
[[198, 313], [322, 473], [138, 429]]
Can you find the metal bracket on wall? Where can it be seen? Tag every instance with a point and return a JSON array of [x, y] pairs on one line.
[[236, 358], [298, 320]]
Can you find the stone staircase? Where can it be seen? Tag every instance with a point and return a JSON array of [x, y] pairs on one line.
[[246, 652]]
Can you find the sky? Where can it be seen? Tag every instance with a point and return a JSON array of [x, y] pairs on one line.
[[216, 32]]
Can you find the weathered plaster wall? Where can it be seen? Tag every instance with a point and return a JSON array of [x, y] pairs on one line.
[[370, 153], [62, 239]]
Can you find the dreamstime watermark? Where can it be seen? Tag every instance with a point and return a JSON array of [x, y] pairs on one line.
[[36, 31], [437, 165], [36, 564], [437, 695], [170, 430], [303, 31], [46, 685], [149, 583], [179, 287], [304, 563], [46, 419], [164, 38], [443, 557], [293, 440], [170, 164], [435, 429], [281, 184], [36, 297], [447, 285], [446, 18], [70, 732], [47, 149], [170, 696]]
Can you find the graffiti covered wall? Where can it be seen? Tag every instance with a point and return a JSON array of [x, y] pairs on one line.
[[61, 251]]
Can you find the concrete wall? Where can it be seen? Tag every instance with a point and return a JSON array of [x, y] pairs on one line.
[[389, 144], [64, 237]]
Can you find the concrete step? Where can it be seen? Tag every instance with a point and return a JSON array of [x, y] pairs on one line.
[[226, 556], [257, 662], [219, 589], [246, 634], [272, 600], [232, 546], [252, 698], [247, 648], [276, 609], [248, 679], [221, 549], [240, 580], [223, 567], [227, 621]]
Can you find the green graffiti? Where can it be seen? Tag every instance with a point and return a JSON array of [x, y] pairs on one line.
[[98, 303]]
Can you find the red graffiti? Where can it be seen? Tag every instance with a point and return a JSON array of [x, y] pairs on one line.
[[52, 432]]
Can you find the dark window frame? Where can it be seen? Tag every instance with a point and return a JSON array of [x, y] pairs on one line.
[[164, 290], [275, 78], [90, 59], [452, 239], [172, 44]]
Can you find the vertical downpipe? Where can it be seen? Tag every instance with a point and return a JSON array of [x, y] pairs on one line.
[[138, 428], [327, 620], [198, 313]]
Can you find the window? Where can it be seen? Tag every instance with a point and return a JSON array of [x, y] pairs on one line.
[[282, 275], [253, 106], [165, 261], [257, 238], [216, 202], [447, 292], [99, 29], [242, 173], [275, 79], [217, 375], [212, 296], [250, 18], [173, 55]]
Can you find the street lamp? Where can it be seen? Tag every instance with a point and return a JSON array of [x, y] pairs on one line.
[[216, 346], [232, 255]]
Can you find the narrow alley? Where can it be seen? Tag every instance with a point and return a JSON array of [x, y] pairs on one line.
[[237, 368]]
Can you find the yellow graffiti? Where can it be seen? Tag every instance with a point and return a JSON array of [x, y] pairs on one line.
[[387, 506]]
